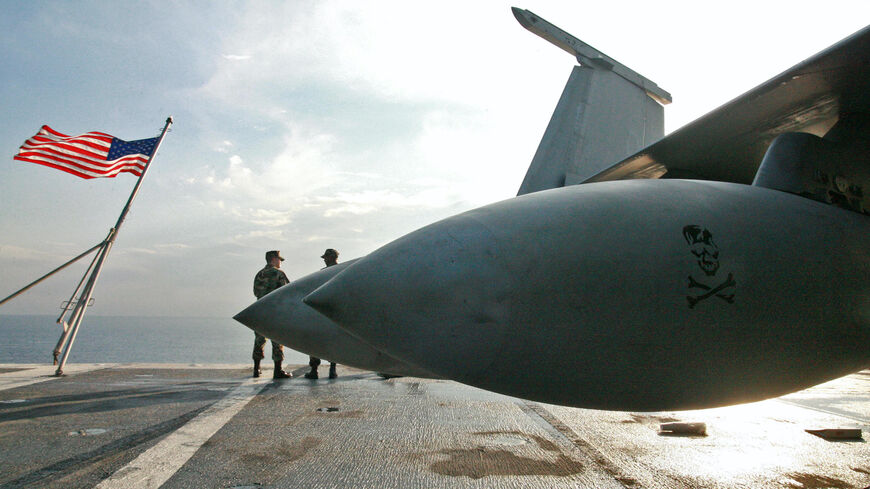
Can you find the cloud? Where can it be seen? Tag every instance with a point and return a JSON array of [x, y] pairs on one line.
[[353, 129], [162, 249], [265, 217], [373, 51], [172, 246], [144, 251], [224, 146], [369, 201], [347, 115], [447, 162], [258, 236], [19, 253], [270, 189]]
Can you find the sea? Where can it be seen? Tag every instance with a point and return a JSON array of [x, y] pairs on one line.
[[123, 339]]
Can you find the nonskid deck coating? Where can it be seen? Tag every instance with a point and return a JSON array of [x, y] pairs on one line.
[[101, 424]]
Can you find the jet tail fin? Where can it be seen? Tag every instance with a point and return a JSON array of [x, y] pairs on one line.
[[607, 112], [600, 118]]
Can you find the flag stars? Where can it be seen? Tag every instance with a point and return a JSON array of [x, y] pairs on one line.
[[121, 148]]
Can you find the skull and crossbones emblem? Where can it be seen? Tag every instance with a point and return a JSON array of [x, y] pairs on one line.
[[706, 253]]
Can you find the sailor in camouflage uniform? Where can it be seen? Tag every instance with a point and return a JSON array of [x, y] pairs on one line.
[[268, 279], [330, 258]]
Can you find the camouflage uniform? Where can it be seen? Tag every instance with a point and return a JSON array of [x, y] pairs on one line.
[[314, 362], [267, 280]]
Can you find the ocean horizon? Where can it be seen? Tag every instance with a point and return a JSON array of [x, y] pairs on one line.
[[26, 338]]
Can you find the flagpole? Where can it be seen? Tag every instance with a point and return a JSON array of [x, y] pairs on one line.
[[141, 177], [72, 298], [87, 293], [49, 274], [72, 302], [79, 312]]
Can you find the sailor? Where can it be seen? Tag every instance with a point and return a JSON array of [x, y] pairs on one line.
[[330, 257], [268, 279]]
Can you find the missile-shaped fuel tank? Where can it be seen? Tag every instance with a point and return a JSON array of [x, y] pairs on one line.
[[640, 295], [282, 316]]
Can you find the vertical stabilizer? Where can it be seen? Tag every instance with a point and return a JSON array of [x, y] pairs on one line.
[[606, 112], [600, 119]]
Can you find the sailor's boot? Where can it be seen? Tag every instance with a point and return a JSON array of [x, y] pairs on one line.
[[280, 374], [257, 371], [312, 374], [332, 373]]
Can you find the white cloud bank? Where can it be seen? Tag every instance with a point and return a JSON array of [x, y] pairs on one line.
[[460, 144]]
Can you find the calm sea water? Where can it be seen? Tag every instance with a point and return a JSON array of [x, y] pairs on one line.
[[113, 339]]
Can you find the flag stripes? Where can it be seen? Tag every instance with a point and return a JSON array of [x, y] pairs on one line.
[[86, 155]]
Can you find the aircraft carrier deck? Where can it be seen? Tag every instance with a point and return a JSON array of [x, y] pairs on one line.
[[213, 426]]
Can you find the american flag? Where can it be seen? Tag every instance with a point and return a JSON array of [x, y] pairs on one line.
[[90, 155]]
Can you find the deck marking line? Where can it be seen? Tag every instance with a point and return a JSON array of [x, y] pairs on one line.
[[42, 373], [610, 467], [833, 412], [156, 465]]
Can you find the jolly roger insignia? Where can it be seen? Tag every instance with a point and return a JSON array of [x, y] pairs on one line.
[[705, 285]]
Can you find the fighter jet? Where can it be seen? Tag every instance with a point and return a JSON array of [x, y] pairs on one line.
[[602, 116], [728, 262], [281, 316]]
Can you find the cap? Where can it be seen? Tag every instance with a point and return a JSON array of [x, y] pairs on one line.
[[274, 253], [329, 252]]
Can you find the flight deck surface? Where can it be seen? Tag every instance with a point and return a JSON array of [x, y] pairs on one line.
[[213, 426]]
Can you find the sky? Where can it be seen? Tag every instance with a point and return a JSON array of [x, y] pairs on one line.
[[306, 125]]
